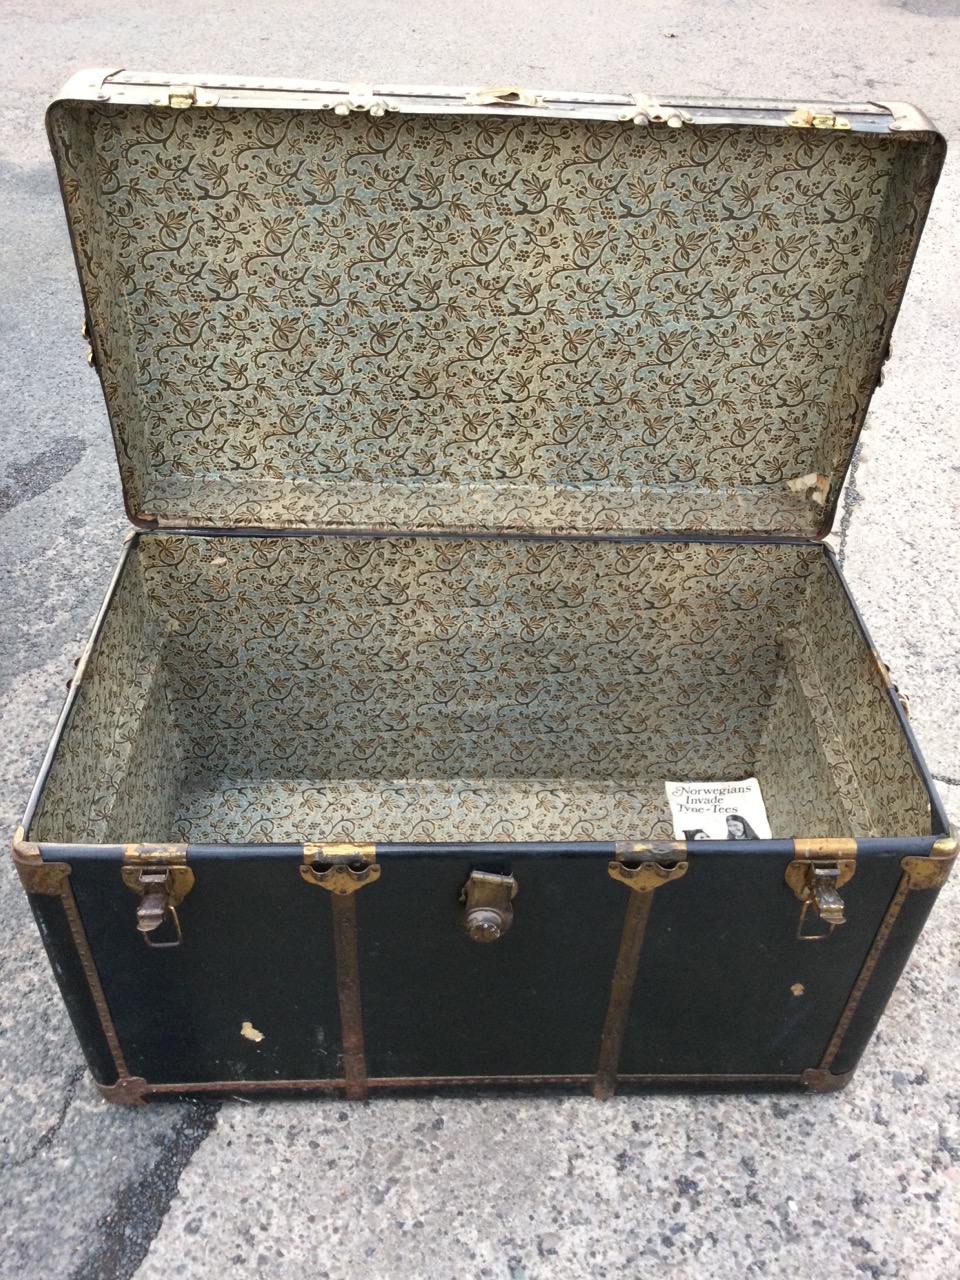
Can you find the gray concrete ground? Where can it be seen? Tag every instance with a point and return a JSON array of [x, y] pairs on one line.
[[865, 1183]]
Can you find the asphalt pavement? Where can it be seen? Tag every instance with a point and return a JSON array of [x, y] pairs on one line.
[[865, 1183]]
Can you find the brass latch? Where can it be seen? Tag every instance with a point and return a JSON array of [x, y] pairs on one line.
[[503, 95], [161, 890], [815, 878], [489, 905], [182, 96], [807, 118], [341, 868]]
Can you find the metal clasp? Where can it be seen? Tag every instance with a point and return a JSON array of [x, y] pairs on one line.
[[807, 118], [504, 96], [815, 882], [182, 96], [161, 890]]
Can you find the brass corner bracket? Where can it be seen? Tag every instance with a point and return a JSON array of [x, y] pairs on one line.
[[819, 1080], [931, 872], [128, 1090], [37, 876]]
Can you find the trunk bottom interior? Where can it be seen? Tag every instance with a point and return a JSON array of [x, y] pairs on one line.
[[288, 688]]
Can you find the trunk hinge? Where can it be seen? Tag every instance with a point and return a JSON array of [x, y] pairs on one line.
[[819, 869], [361, 97], [647, 110], [159, 874]]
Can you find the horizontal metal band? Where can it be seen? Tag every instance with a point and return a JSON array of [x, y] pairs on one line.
[[165, 854], [339, 852], [243, 1086], [414, 1082], [831, 849]]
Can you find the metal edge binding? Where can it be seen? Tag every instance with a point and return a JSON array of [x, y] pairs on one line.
[[135, 1090], [141, 87]]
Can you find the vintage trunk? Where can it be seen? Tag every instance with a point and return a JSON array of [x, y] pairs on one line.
[[480, 447]]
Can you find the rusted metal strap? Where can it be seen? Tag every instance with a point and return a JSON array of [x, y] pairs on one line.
[[642, 869], [621, 991], [344, 869], [344, 907]]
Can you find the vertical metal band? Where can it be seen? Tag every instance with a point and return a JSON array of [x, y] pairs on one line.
[[621, 991], [866, 972], [344, 869], [93, 979], [344, 908], [918, 873]]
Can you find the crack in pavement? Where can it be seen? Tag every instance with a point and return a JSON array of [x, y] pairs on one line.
[[852, 500], [950, 782], [30, 479], [47, 1137], [124, 1236]]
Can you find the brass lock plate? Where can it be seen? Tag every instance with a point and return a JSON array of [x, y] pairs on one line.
[[489, 905]]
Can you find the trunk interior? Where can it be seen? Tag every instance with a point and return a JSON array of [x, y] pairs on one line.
[[304, 688]]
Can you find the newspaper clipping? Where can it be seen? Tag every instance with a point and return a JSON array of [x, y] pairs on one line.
[[718, 810]]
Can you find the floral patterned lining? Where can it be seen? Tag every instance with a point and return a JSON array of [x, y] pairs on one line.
[[430, 321]]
